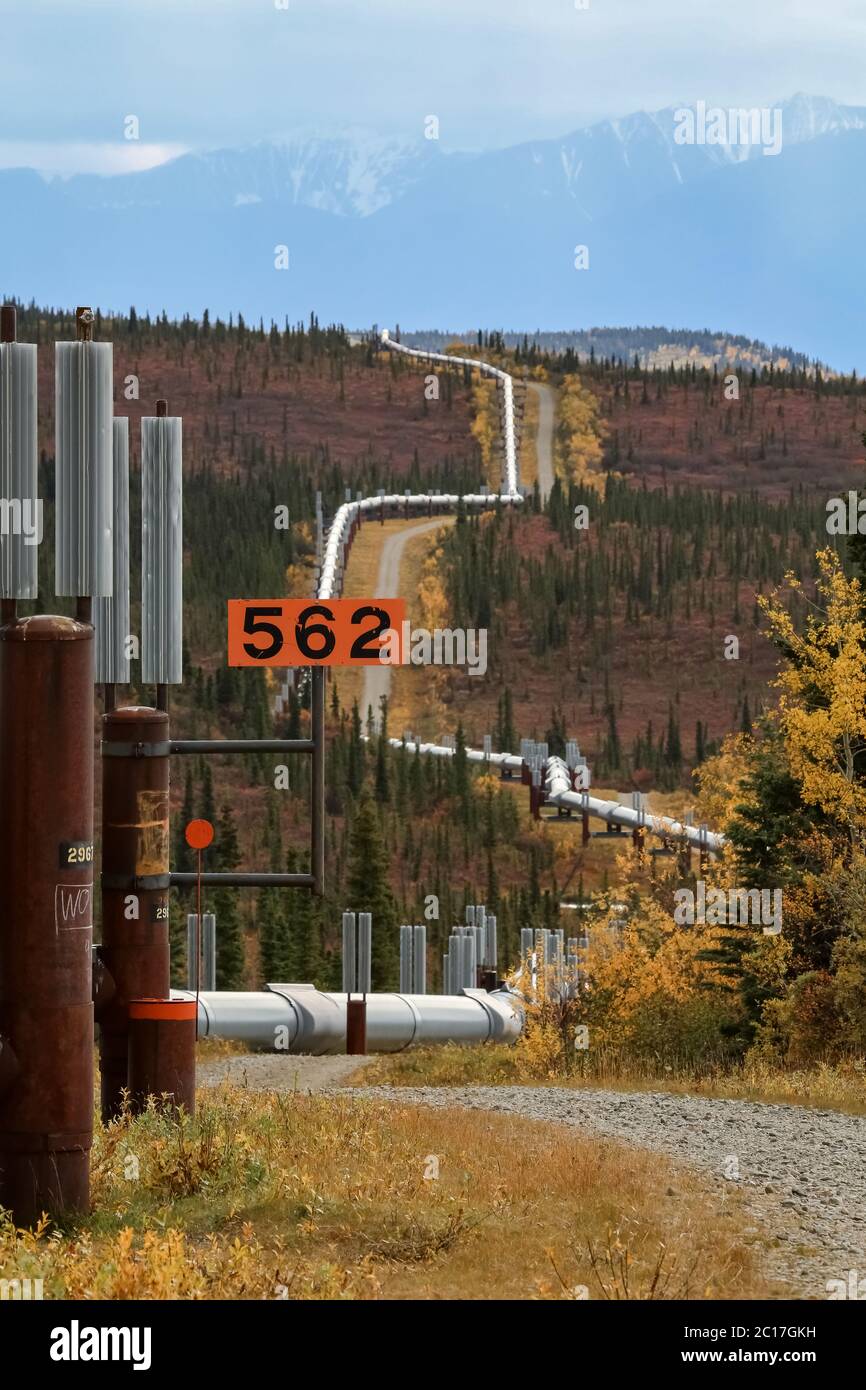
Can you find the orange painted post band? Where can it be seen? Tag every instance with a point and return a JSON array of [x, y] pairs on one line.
[[174, 1010]]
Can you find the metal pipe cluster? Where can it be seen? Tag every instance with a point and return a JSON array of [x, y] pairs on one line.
[[413, 959], [551, 962]]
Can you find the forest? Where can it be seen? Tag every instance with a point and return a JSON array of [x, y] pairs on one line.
[[700, 528]]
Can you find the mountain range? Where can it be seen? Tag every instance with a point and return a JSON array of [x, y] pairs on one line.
[[723, 234]]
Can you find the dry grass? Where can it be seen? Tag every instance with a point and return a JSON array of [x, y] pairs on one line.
[[214, 1049], [311, 1197], [838, 1087]]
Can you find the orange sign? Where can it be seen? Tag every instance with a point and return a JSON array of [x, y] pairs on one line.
[[314, 632]]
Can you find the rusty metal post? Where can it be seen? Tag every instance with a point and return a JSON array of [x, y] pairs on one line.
[[317, 839], [162, 1052], [46, 914], [356, 1027], [585, 835], [135, 868]]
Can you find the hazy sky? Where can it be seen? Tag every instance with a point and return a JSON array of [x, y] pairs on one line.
[[206, 73]]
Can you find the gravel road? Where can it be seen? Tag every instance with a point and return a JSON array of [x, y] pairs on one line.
[[377, 679], [544, 437], [804, 1171]]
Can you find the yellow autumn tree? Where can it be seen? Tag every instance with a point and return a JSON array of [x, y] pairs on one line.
[[720, 780], [432, 599], [648, 984], [485, 428], [579, 435], [822, 705]]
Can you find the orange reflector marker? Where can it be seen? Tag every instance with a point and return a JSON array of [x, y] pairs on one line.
[[199, 834]]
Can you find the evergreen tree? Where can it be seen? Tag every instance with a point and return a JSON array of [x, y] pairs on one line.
[[368, 890], [305, 954], [230, 960], [383, 789]]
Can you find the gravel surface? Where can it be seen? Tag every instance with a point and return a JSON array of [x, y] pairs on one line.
[[803, 1172], [270, 1071]]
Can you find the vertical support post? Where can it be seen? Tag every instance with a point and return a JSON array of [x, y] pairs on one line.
[[419, 959], [406, 971], [191, 951], [209, 952], [455, 960], [492, 944], [317, 698], [350, 974], [162, 1035], [46, 915], [469, 978], [365, 951], [135, 867], [356, 1027], [356, 1009]]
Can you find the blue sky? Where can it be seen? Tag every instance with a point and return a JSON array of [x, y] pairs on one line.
[[207, 73]]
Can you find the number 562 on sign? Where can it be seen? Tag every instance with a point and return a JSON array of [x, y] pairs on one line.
[[311, 632]]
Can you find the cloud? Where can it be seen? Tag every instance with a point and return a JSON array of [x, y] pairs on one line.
[[221, 72], [73, 157]]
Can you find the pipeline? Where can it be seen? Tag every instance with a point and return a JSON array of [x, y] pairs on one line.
[[559, 792], [559, 789], [349, 514], [300, 1018]]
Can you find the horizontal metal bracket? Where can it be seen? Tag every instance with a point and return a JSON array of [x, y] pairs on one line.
[[241, 745], [110, 749], [232, 880], [133, 883]]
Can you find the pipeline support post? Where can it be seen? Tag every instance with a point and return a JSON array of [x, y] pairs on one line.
[[162, 1036], [317, 797], [46, 914], [135, 881]]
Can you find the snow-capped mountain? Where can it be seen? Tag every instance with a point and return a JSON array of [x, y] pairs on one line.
[[351, 176], [712, 233], [357, 175]]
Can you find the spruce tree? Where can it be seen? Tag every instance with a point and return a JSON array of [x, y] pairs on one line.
[[230, 958], [306, 962], [368, 890]]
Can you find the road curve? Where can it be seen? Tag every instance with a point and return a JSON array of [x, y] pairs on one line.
[[377, 679], [544, 436]]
